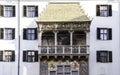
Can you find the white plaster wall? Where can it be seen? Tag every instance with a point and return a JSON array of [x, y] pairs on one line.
[[28, 68], [9, 68], [95, 68]]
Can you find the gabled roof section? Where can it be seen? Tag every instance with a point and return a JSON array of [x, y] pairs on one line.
[[63, 12]]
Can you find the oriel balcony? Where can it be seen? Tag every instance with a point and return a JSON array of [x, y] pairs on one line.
[[62, 31], [62, 43]]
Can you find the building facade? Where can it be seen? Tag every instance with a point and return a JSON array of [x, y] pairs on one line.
[[59, 37]]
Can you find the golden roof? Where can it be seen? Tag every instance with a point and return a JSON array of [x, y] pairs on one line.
[[63, 12]]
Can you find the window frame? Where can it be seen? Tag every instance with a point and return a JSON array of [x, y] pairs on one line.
[[8, 35], [33, 58], [65, 69], [102, 35], [25, 34], [104, 58], [25, 11], [11, 11], [9, 56], [3, 34], [30, 56], [109, 10], [1, 55]]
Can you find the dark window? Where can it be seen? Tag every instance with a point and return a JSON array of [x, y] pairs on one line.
[[7, 33], [104, 10], [1, 33], [104, 33], [30, 11], [74, 72], [52, 73], [1, 55], [7, 10], [67, 68], [104, 56], [30, 34], [60, 69], [30, 56], [9, 55]]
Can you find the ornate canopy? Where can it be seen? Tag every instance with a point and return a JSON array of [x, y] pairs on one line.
[[63, 16]]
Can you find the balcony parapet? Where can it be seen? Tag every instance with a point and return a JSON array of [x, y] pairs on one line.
[[64, 49]]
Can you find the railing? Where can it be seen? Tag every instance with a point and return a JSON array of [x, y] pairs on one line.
[[64, 49]]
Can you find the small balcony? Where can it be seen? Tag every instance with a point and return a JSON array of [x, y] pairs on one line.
[[63, 50]]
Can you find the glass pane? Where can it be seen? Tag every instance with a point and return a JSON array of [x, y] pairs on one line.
[[33, 53], [31, 12], [105, 36], [29, 31], [30, 34], [67, 73], [30, 59], [8, 34], [101, 31], [103, 7], [67, 68], [102, 36], [104, 13], [74, 72], [105, 30], [60, 74], [52, 73], [32, 31], [8, 11], [60, 68], [29, 53], [103, 54]]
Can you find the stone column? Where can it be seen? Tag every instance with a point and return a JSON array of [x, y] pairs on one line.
[[87, 40], [71, 39], [55, 41], [55, 37], [40, 40]]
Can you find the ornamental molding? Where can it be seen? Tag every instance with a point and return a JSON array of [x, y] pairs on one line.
[[83, 26]]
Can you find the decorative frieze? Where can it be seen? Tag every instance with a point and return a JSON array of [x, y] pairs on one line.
[[65, 26]]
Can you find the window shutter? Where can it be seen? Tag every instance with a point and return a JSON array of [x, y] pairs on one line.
[[36, 11], [36, 56], [1, 33], [98, 56], [24, 11], [13, 33], [110, 10], [98, 33], [97, 10], [14, 11], [109, 34], [36, 36], [110, 56], [24, 56], [24, 33], [13, 56], [1, 10], [1, 55]]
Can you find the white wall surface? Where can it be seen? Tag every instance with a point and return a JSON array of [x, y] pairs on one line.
[[95, 68]]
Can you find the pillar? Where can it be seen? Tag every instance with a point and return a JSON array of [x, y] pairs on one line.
[[55, 39], [71, 37]]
